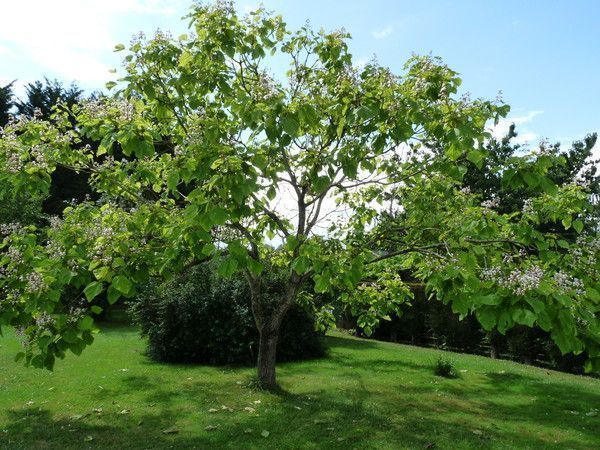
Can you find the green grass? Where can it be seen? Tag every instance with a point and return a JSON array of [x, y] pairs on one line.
[[366, 394]]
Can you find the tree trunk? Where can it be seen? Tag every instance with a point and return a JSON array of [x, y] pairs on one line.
[[493, 339], [268, 324], [267, 354]]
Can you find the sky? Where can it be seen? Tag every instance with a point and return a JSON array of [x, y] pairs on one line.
[[543, 55]]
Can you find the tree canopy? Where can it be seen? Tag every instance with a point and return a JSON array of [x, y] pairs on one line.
[[206, 151]]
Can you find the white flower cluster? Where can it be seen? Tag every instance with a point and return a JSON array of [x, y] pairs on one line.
[[20, 332], [44, 320], [518, 281], [567, 283], [491, 203], [55, 222], [265, 87], [14, 255], [528, 206], [585, 253], [104, 109], [35, 283], [466, 190], [7, 229], [14, 163], [38, 158], [55, 250]]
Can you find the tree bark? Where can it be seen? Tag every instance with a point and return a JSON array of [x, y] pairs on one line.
[[267, 354]]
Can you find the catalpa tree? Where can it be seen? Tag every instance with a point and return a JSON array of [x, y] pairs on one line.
[[205, 153]]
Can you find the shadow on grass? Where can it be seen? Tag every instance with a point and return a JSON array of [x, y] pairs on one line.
[[493, 413]]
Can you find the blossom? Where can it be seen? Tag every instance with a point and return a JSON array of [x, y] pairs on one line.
[[565, 283], [491, 203], [36, 282]]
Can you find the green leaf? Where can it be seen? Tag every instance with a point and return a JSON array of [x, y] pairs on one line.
[[489, 299], [291, 242], [321, 283], [112, 295], [208, 249], [228, 267], [122, 284], [321, 183], [218, 215], [487, 317], [119, 47], [532, 179], [578, 225], [301, 264], [476, 157], [523, 317], [290, 125], [92, 290], [254, 266], [86, 323]]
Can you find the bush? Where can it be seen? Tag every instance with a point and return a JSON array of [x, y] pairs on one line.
[[444, 368], [200, 317]]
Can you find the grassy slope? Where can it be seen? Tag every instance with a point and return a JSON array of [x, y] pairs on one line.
[[365, 395]]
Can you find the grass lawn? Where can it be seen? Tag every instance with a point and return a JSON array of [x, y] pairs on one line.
[[366, 394]]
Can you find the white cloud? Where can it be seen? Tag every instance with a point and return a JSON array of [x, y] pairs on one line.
[[383, 33], [71, 38], [524, 135]]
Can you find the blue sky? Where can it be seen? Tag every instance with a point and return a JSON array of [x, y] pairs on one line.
[[543, 55]]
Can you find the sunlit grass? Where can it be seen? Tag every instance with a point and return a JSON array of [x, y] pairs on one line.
[[365, 394]]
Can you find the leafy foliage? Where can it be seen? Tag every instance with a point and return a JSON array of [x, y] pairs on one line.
[[6, 103]]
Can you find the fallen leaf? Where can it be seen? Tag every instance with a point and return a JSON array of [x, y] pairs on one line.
[[213, 410], [248, 430], [88, 439], [298, 408], [125, 411], [265, 433], [257, 402], [249, 409], [211, 427], [171, 430], [97, 410]]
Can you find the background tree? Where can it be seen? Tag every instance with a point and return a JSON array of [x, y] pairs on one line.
[[41, 97], [6, 103], [248, 158]]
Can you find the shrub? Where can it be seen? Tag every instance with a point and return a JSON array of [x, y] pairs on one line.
[[445, 368], [200, 317]]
